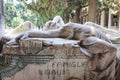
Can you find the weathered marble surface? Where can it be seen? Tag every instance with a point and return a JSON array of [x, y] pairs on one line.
[[36, 44], [69, 62]]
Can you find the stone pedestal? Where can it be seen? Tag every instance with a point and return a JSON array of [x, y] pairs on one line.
[[49, 59]]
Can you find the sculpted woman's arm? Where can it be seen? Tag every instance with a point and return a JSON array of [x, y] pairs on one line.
[[65, 32], [56, 33], [44, 34], [39, 34]]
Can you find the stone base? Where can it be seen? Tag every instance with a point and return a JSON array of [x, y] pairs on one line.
[[49, 59]]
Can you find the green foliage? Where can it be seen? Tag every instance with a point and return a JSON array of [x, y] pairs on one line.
[[112, 4], [17, 13], [10, 13], [44, 10], [16, 21], [47, 9], [73, 7]]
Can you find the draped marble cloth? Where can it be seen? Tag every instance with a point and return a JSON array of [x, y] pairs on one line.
[[103, 57], [114, 36]]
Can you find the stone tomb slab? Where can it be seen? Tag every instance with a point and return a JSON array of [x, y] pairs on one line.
[[31, 60]]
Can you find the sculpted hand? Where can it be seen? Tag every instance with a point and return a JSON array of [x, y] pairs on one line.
[[22, 36], [15, 40], [25, 35]]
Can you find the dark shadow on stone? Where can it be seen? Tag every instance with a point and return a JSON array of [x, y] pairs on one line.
[[1, 58], [1, 46], [117, 73]]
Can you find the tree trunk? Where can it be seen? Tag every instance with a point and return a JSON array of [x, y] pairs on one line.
[[77, 12], [2, 31], [77, 15], [92, 10]]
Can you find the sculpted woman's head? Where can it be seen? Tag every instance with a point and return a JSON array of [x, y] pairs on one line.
[[51, 25]]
